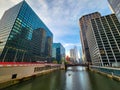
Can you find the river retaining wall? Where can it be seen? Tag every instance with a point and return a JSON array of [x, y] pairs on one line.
[[110, 72], [10, 75]]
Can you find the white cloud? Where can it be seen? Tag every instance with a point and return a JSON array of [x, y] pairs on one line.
[[71, 44], [58, 14], [15, 1]]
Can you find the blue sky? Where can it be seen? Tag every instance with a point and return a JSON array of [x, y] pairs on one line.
[[62, 16]]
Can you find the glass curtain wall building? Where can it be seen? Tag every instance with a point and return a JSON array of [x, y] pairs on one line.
[[115, 5], [18, 28], [84, 22], [104, 41], [58, 52]]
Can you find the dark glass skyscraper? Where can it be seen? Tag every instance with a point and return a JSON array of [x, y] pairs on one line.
[[38, 44], [20, 31], [58, 52]]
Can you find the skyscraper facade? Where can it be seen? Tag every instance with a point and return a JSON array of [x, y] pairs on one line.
[[115, 5], [38, 44], [58, 52], [84, 27], [104, 41], [74, 54], [18, 28]]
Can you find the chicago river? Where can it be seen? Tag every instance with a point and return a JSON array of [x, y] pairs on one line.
[[74, 78]]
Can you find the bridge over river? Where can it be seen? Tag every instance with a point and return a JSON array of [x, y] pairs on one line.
[[74, 78]]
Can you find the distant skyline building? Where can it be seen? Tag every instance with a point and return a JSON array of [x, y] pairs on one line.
[[84, 22], [23, 36], [74, 54], [58, 52], [104, 41], [115, 6]]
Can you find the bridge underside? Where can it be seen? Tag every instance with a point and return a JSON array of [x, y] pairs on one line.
[[69, 65]]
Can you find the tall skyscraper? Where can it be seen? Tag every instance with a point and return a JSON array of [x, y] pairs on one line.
[[104, 41], [38, 44], [74, 54], [84, 27], [58, 52], [17, 28], [115, 6]]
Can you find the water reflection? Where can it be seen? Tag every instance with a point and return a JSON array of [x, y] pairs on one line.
[[75, 78], [78, 80]]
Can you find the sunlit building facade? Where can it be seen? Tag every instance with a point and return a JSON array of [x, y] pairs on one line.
[[84, 22], [115, 6], [104, 41], [74, 54], [18, 29], [58, 52]]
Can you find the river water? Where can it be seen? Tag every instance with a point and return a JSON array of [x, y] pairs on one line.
[[74, 78]]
